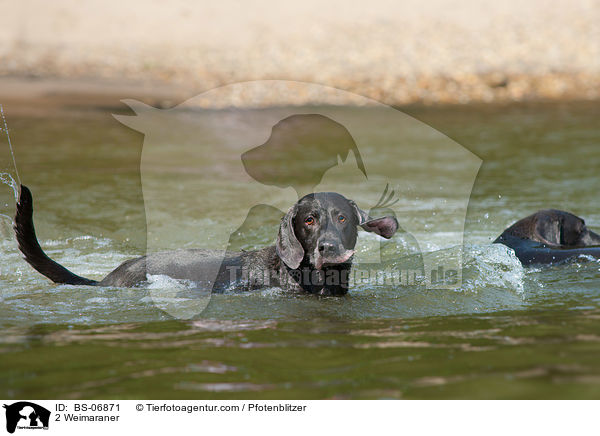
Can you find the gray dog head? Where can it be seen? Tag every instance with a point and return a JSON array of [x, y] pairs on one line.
[[554, 228], [321, 229]]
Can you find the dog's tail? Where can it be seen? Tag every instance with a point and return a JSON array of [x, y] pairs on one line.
[[30, 247]]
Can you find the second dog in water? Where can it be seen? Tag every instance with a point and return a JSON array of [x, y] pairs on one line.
[[313, 253], [550, 236]]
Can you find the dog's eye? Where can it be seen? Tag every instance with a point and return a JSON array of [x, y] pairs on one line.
[[341, 218], [309, 220]]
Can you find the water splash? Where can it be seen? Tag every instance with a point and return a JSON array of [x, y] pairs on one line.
[[12, 153], [8, 180], [492, 265], [180, 298]]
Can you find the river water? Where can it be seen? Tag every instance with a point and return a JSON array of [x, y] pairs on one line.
[[504, 332]]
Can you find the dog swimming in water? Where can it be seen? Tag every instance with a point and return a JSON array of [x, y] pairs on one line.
[[550, 236], [313, 253]]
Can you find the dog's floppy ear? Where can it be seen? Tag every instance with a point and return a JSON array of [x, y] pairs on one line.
[[548, 229], [288, 247], [385, 226]]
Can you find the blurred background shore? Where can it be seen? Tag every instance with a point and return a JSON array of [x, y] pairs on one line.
[[430, 52]]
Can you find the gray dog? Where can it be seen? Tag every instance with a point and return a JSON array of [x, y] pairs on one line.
[[550, 236], [313, 253]]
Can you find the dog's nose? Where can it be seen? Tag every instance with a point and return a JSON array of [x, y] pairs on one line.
[[326, 248]]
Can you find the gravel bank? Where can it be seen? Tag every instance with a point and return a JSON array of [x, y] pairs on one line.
[[396, 52]]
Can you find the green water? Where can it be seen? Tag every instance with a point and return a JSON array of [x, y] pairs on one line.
[[505, 332]]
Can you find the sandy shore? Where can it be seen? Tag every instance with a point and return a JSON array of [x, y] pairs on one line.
[[397, 52]]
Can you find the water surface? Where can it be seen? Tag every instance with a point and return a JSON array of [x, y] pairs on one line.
[[506, 332]]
